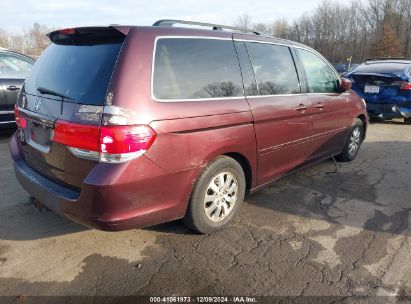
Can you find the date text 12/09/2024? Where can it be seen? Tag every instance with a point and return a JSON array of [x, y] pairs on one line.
[[176, 299]]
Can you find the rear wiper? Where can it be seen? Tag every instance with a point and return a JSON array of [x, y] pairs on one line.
[[54, 93]]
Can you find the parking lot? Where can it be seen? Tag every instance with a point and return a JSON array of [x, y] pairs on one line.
[[313, 233]]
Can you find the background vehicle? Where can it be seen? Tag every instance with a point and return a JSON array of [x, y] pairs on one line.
[[341, 68], [350, 69], [183, 130], [353, 67], [14, 68], [385, 86]]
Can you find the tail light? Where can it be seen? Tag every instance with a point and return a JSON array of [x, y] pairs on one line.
[[20, 120], [404, 85], [110, 144], [67, 31]]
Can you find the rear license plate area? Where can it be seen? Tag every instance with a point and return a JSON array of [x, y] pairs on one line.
[[371, 89], [40, 134]]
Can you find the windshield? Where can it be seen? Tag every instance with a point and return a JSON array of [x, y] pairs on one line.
[[79, 72]]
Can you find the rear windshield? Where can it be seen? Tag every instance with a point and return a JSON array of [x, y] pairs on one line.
[[80, 72]]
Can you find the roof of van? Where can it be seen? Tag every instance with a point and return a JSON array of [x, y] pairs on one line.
[[228, 34], [125, 29], [190, 31]]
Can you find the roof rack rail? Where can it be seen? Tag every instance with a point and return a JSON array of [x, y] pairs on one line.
[[215, 27]]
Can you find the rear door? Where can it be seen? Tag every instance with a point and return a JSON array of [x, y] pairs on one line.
[[68, 82], [281, 121], [330, 110]]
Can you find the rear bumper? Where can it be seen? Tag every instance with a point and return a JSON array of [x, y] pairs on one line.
[[112, 197], [388, 110]]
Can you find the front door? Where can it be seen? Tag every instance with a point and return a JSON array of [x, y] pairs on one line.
[[329, 107], [11, 88], [13, 70], [4, 111]]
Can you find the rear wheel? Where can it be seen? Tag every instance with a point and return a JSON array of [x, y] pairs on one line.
[[353, 143], [407, 121], [217, 196]]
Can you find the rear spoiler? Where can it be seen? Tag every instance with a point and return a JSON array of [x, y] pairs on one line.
[[393, 77], [89, 35], [375, 74]]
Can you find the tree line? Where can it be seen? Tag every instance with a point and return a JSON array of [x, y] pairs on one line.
[[363, 29], [30, 42]]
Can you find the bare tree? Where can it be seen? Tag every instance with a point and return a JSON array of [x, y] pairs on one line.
[[280, 28], [243, 21], [261, 27], [3, 38], [36, 38], [31, 41], [340, 31]]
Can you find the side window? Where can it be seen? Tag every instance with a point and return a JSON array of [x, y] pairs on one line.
[[186, 68], [320, 77], [14, 67], [250, 86], [274, 69]]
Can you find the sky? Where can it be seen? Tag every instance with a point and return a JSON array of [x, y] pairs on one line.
[[18, 15]]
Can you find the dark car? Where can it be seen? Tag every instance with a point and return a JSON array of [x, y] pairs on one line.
[[14, 68], [385, 86], [124, 127], [341, 68], [351, 68]]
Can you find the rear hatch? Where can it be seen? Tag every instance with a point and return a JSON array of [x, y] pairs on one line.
[[68, 83], [382, 83]]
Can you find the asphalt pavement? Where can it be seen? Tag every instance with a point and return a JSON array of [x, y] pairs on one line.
[[314, 233]]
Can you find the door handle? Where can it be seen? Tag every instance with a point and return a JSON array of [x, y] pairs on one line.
[[301, 107], [318, 106], [13, 88]]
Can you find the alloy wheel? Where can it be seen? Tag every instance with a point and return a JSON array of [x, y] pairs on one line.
[[221, 196]]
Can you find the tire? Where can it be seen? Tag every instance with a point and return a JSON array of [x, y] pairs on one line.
[[353, 142], [407, 121], [212, 207]]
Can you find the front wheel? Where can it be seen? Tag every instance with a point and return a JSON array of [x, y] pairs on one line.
[[353, 143], [407, 121], [217, 196]]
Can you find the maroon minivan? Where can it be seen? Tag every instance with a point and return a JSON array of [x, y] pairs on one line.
[[121, 127]]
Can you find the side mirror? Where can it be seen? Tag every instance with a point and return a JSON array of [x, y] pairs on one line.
[[345, 85]]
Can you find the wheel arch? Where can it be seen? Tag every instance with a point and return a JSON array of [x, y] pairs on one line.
[[245, 164], [363, 118]]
